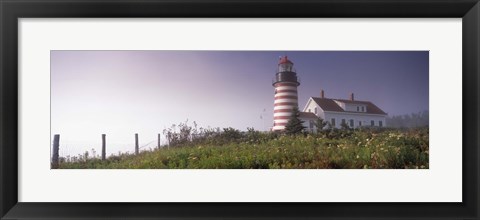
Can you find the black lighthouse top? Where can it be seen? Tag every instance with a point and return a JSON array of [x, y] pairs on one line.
[[285, 72]]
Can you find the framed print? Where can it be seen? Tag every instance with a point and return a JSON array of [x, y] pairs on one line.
[[225, 109]]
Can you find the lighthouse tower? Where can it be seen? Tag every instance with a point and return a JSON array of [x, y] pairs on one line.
[[286, 97]]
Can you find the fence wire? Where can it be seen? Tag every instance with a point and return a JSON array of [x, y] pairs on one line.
[[77, 149]]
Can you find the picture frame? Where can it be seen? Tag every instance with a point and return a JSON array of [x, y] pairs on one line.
[[11, 11]]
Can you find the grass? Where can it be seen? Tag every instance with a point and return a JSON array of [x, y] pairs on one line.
[[337, 149]]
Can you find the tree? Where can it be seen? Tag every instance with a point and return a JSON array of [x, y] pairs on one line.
[[294, 125], [344, 126], [412, 120], [329, 125], [320, 124]]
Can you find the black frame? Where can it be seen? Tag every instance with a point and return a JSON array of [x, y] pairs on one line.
[[11, 10]]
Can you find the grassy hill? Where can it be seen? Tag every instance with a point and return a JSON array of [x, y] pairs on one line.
[[232, 149]]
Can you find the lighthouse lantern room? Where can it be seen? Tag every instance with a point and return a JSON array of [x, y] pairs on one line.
[[286, 96]]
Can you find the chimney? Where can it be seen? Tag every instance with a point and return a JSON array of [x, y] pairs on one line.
[[322, 94], [351, 97]]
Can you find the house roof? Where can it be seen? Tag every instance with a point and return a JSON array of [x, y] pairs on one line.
[[331, 105], [307, 115]]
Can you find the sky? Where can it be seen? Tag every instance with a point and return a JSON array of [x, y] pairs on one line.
[[120, 93]]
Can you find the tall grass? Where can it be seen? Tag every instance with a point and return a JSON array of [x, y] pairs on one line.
[[232, 149]]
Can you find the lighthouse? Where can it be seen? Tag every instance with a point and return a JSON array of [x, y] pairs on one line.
[[286, 96]]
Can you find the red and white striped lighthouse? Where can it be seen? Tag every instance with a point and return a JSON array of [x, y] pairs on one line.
[[286, 96]]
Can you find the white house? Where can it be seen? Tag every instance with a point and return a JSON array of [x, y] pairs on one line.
[[352, 112]]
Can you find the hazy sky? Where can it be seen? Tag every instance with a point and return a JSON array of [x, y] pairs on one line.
[[125, 92]]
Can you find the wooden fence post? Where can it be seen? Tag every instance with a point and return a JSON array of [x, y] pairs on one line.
[[158, 144], [56, 147], [136, 143], [104, 147]]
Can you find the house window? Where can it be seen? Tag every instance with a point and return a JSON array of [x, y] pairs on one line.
[[380, 123], [315, 110], [358, 108], [351, 123], [372, 123], [311, 124], [333, 122], [359, 123], [343, 121], [363, 109], [309, 110]]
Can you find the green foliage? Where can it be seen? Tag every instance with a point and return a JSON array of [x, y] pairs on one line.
[[375, 148], [344, 126], [231, 134], [320, 124], [294, 125]]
